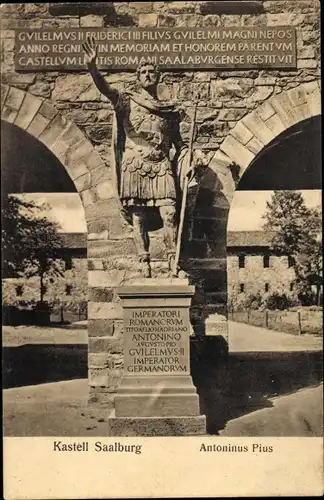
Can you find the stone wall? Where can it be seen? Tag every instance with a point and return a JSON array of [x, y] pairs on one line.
[[254, 275], [76, 278], [239, 113]]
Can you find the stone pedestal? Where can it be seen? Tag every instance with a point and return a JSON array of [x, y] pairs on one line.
[[156, 395]]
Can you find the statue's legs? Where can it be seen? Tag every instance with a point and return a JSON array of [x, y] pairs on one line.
[[142, 239], [168, 215]]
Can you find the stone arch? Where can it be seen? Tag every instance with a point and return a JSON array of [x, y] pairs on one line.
[[258, 128], [38, 117], [241, 146]]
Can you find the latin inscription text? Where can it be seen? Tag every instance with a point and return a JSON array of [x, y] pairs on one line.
[[156, 341], [123, 48]]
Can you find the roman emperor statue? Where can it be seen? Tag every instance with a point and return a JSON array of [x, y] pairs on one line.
[[150, 160]]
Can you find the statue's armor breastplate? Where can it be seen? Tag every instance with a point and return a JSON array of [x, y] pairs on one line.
[[147, 143]]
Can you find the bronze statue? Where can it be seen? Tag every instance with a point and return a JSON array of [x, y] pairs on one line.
[[147, 180]]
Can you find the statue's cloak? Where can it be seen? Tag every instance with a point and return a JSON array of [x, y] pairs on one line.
[[179, 162]]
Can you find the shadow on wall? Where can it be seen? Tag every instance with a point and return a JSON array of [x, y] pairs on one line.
[[245, 382], [203, 256], [201, 233]]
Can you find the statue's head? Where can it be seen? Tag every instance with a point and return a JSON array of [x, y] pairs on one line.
[[148, 74]]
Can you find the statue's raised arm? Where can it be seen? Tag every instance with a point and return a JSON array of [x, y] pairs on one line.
[[90, 58]]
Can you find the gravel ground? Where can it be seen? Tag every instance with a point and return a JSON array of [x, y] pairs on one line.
[[248, 338], [60, 408], [19, 335], [56, 409], [298, 414]]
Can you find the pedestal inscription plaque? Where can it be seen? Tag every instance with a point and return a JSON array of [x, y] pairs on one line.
[[156, 341], [157, 395]]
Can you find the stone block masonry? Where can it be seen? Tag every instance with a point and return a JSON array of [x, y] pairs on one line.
[[239, 113]]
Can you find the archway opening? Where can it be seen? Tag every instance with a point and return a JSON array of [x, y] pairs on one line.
[[255, 270], [28, 166], [290, 161], [31, 172]]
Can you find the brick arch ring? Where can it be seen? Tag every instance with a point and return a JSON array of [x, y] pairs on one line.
[[38, 117], [258, 128]]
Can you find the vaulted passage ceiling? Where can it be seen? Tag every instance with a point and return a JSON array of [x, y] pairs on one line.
[[27, 166], [291, 161]]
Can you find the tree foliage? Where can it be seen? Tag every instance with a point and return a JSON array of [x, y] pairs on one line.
[[279, 301], [15, 218], [77, 279], [9, 296], [30, 241], [297, 234]]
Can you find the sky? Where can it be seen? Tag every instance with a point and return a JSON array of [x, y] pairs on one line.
[[64, 208], [245, 214], [248, 207]]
